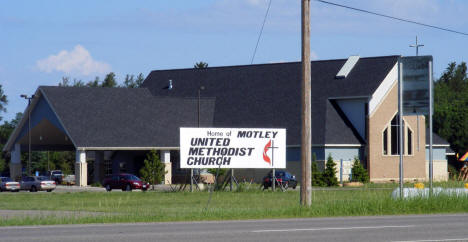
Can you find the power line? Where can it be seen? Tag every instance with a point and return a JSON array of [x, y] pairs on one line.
[[391, 17], [261, 31]]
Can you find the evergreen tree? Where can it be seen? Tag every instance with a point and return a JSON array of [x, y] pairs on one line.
[[153, 171], [329, 175], [359, 173], [131, 82], [317, 177]]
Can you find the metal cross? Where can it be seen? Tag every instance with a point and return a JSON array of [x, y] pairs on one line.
[[416, 46]]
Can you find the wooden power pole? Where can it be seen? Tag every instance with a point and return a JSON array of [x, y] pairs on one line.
[[306, 136]]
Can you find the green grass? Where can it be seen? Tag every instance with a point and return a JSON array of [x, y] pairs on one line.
[[184, 206]]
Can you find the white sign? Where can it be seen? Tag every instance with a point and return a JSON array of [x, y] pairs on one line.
[[232, 148]]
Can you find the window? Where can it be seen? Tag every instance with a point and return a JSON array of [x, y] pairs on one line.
[[107, 167], [394, 138], [385, 142], [390, 138], [410, 142]]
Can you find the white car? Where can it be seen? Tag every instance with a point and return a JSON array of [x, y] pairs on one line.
[[7, 184], [37, 183]]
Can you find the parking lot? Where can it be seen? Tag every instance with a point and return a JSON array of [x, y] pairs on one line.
[[64, 189]]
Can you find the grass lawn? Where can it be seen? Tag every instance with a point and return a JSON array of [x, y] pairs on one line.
[[184, 206]]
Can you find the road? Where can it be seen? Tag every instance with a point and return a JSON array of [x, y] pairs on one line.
[[380, 228]]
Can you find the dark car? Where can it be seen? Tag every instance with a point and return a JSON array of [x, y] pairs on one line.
[[126, 182], [56, 175], [283, 178]]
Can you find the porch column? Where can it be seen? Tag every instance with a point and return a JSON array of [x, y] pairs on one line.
[[81, 169], [15, 163], [98, 166], [166, 160]]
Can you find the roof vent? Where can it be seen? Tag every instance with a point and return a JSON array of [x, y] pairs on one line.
[[347, 67], [170, 85]]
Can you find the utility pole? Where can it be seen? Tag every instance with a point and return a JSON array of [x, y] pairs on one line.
[[416, 46], [306, 134]]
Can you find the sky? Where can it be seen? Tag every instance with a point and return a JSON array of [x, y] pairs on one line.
[[43, 41]]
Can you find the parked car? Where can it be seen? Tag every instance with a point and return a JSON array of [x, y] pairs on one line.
[[69, 180], [57, 176], [7, 184], [37, 183], [283, 178], [126, 182]]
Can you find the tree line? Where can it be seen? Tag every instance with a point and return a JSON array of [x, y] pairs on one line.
[[130, 81]]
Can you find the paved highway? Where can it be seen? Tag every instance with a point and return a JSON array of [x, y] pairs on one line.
[[383, 228]]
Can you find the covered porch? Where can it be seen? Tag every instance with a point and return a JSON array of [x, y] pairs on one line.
[[102, 126]]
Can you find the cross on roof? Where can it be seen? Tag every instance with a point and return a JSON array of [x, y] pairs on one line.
[[417, 46]]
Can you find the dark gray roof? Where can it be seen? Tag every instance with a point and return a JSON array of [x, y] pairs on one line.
[[436, 139], [268, 95], [124, 117]]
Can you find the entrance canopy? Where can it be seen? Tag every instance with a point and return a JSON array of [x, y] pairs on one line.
[[70, 118]]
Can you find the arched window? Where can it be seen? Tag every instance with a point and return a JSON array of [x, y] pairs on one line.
[[390, 138]]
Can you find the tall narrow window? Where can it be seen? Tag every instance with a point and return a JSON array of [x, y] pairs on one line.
[[394, 135], [410, 142], [385, 142]]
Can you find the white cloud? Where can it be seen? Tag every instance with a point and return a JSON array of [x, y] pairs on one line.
[[78, 60]]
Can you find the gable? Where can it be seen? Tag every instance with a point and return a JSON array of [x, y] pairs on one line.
[[268, 95]]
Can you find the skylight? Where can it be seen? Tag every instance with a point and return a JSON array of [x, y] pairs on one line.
[[347, 67]]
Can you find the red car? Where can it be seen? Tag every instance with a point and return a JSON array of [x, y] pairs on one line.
[[126, 182]]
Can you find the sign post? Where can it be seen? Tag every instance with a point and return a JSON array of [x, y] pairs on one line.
[[415, 97]]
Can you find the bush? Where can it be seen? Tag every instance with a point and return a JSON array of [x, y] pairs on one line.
[[221, 173], [154, 170], [358, 172], [453, 173], [329, 175], [317, 177]]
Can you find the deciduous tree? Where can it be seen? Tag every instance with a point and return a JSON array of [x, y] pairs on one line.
[[451, 106], [200, 65]]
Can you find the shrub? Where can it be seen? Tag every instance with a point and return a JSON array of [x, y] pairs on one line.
[[453, 173], [358, 172], [317, 177], [329, 175], [221, 173], [154, 170]]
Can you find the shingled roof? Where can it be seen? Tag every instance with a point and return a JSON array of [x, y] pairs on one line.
[[124, 117], [268, 95]]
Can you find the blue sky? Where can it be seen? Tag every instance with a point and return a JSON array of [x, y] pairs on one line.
[[42, 41]]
